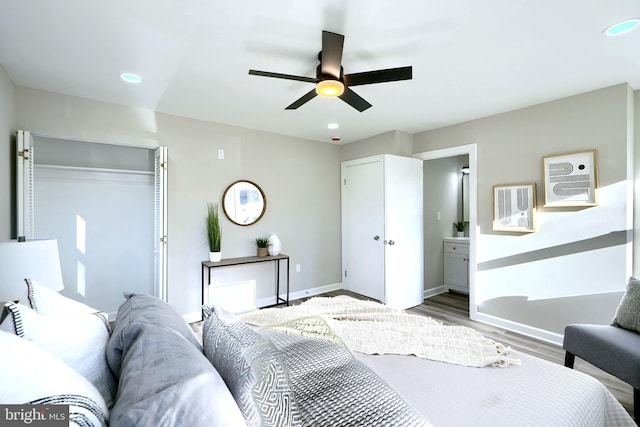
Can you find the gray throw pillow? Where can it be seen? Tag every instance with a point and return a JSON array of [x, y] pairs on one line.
[[141, 308], [166, 381], [628, 312], [252, 368]]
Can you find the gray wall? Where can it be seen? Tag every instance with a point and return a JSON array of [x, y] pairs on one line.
[[572, 269], [393, 142], [300, 179], [575, 266], [7, 168]]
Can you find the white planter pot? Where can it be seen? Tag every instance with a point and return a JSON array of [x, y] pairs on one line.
[[215, 256], [275, 245]]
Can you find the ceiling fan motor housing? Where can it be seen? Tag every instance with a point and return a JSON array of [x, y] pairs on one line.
[[333, 82]]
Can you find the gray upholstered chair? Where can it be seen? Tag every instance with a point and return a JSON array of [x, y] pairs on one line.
[[613, 348], [610, 348]]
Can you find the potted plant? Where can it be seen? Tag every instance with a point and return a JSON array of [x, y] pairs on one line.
[[459, 228], [214, 234], [262, 243]]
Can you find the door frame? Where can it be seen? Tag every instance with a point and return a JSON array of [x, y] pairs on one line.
[[472, 151]]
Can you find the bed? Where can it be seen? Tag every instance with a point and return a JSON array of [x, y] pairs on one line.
[[511, 389], [300, 368]]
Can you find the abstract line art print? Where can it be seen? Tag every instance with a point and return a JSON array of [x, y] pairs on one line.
[[570, 179], [514, 207]]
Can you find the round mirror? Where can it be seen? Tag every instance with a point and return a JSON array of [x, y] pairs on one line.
[[244, 202]]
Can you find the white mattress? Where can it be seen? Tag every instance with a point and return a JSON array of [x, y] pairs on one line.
[[537, 393]]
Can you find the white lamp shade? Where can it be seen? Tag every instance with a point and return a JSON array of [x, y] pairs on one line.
[[34, 259]]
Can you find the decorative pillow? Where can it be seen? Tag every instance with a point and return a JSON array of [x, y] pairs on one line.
[[47, 301], [166, 381], [79, 340], [140, 308], [628, 312], [30, 375], [252, 369]]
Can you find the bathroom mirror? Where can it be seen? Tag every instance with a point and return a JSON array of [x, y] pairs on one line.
[[465, 197], [244, 202]]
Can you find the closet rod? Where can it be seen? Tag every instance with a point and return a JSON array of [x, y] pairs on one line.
[[90, 169]]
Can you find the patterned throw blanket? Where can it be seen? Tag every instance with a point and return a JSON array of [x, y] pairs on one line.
[[373, 328]]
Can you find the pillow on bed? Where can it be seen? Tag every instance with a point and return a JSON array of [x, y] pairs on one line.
[[166, 381], [30, 375], [628, 312], [79, 340], [141, 308], [250, 365], [47, 301]]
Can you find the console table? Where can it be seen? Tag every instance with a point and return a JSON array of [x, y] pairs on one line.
[[208, 265]]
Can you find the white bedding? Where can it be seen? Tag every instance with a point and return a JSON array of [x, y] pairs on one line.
[[536, 394]]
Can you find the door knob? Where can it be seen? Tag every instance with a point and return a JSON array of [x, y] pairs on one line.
[[376, 238], [391, 242]]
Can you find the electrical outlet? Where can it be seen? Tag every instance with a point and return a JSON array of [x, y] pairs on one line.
[[221, 154], [214, 280], [298, 268], [438, 216]]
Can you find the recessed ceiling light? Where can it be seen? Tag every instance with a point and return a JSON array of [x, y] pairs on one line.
[[622, 27], [130, 78], [333, 126]]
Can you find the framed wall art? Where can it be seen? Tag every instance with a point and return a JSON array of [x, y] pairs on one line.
[[570, 179], [514, 207]]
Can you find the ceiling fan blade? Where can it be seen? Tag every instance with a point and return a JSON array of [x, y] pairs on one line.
[[331, 58], [282, 76], [355, 100], [379, 76], [303, 99]]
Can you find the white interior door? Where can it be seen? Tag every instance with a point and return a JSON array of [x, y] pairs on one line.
[[404, 232], [363, 227]]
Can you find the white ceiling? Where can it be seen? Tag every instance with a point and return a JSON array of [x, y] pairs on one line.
[[470, 58]]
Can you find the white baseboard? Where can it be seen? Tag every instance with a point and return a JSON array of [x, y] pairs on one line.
[[530, 331], [300, 294], [434, 291]]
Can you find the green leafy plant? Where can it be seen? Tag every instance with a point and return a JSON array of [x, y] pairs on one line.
[[459, 225], [213, 227], [261, 242]]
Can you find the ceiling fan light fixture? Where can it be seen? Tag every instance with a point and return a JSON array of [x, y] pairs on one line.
[[330, 88]]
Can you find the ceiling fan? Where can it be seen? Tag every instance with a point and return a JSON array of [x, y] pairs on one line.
[[330, 79]]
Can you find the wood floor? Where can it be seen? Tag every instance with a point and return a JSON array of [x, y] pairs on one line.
[[453, 309]]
